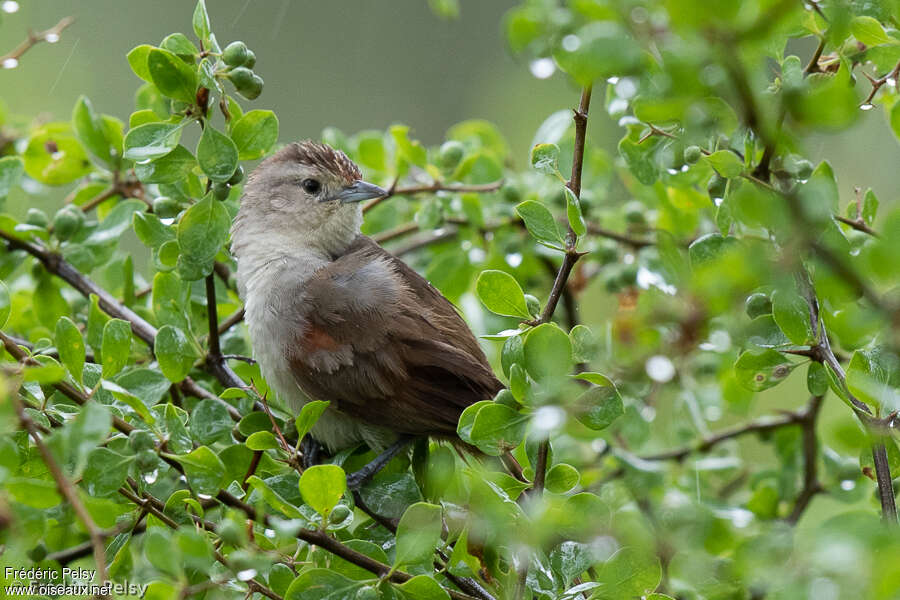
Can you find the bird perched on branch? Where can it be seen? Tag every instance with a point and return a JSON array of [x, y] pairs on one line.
[[333, 316]]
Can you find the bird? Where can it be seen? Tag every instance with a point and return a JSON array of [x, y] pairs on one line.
[[334, 316]]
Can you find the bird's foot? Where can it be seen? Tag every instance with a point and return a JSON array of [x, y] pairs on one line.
[[356, 479], [311, 452]]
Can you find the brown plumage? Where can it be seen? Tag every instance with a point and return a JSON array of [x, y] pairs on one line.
[[335, 317]]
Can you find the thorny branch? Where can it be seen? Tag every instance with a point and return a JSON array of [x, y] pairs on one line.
[[49, 35], [432, 188]]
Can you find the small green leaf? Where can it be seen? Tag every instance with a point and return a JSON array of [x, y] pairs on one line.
[[501, 294], [573, 213], [629, 573], [11, 169], [202, 231], [149, 229], [816, 379], [599, 406], [216, 154], [255, 133], [210, 421], [759, 370], [869, 31], [116, 347], [137, 59], [70, 346], [204, 470], [423, 587], [726, 162], [497, 428], [178, 43], [584, 345], [169, 168], [172, 76], [540, 223], [418, 534], [322, 584], [90, 130], [105, 472], [147, 384], [129, 399], [873, 376], [262, 440], [322, 487], [200, 21], [548, 352], [175, 353], [604, 49], [562, 478], [151, 141], [55, 156], [274, 499], [791, 313], [309, 415], [545, 159]]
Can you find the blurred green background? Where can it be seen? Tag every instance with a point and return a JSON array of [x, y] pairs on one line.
[[354, 65]]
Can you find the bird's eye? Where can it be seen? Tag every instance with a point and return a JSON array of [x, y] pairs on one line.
[[311, 186]]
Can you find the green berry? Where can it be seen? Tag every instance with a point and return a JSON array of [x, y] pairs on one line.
[[140, 440], [38, 553], [533, 304], [607, 252], [451, 153], [165, 207], [628, 275], [339, 514], [250, 62], [67, 222], [804, 169], [235, 54], [221, 190], [247, 83], [758, 304], [37, 217], [237, 177], [692, 154], [634, 213], [716, 186], [511, 194], [146, 460]]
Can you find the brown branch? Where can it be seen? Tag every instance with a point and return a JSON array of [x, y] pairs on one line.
[[857, 224], [432, 188], [49, 35], [811, 483], [67, 489], [877, 83], [231, 321]]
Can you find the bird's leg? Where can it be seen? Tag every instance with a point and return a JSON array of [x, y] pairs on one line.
[[312, 451], [357, 478]]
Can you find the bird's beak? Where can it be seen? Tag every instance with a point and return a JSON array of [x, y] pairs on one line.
[[359, 191]]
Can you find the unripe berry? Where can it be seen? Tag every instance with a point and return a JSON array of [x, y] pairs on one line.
[[235, 54], [758, 304], [141, 440], [237, 177], [451, 153], [220, 190], [692, 154], [165, 207], [67, 222], [37, 217], [338, 515]]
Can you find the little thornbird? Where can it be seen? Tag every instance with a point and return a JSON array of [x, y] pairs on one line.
[[333, 316]]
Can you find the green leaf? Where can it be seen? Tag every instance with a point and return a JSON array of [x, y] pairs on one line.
[[726, 162], [603, 49], [204, 470], [169, 168], [11, 169], [497, 428], [255, 133], [36, 493], [55, 156], [600, 405], [309, 415], [562, 478], [322, 487], [423, 587], [161, 553], [137, 59], [791, 313], [216, 154], [545, 159], [540, 223], [172, 76], [151, 141], [816, 379], [873, 376], [149, 229], [573, 213], [274, 499], [584, 345], [262, 440], [178, 43], [126, 397], [90, 130], [322, 584], [105, 472], [548, 352], [116, 347], [869, 206], [200, 21], [210, 421], [202, 231], [418, 534], [630, 573], [870, 32], [5, 304], [761, 369], [175, 353], [70, 346], [149, 385], [710, 247], [501, 294]]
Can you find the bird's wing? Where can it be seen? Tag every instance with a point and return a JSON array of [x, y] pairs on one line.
[[384, 346]]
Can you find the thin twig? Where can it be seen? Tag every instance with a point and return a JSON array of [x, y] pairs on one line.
[[857, 224], [49, 35], [432, 188]]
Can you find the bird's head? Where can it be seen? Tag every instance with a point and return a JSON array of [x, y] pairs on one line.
[[306, 193]]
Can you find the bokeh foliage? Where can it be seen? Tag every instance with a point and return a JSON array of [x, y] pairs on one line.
[[704, 414]]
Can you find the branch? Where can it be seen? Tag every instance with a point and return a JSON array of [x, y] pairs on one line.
[[11, 59], [857, 224], [432, 188], [811, 483], [68, 491]]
